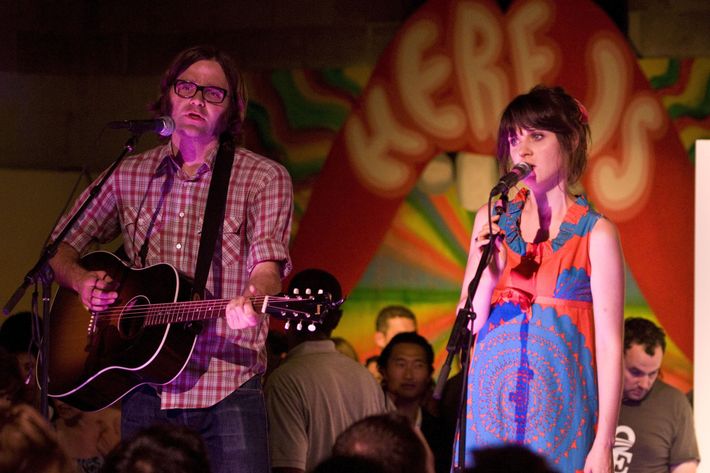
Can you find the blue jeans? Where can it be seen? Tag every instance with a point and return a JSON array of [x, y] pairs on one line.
[[234, 430]]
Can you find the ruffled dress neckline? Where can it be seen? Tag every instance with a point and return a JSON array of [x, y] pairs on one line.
[[510, 224]]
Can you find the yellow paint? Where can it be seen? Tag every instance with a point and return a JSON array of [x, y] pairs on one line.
[[654, 67], [695, 89]]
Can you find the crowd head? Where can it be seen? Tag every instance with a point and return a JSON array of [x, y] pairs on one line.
[[160, 449], [392, 320], [644, 345], [389, 440], [28, 444]]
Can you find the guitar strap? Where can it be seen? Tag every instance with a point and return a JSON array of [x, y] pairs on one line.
[[214, 215]]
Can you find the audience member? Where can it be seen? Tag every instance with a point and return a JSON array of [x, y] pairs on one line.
[[276, 349], [344, 347], [316, 392], [160, 449], [16, 338], [86, 436], [390, 440], [372, 366], [508, 458], [448, 410], [12, 385], [348, 464], [655, 431], [392, 320], [406, 364], [28, 444]]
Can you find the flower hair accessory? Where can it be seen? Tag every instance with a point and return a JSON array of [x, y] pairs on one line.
[[583, 115]]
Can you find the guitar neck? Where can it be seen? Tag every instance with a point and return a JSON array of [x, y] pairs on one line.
[[193, 311]]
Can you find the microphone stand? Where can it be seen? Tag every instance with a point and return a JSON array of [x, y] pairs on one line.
[[460, 341], [41, 273]]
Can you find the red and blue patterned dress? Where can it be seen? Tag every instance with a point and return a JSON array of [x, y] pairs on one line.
[[533, 376]]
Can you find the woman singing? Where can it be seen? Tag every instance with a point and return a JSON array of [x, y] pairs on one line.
[[547, 363]]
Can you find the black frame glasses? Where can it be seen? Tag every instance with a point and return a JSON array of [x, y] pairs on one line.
[[188, 89]]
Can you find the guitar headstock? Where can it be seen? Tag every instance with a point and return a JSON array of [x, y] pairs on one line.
[[308, 308]]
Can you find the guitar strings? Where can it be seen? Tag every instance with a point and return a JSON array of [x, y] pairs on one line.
[[153, 311]]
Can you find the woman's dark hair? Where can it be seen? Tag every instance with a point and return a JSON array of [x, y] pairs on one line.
[[237, 94], [550, 109]]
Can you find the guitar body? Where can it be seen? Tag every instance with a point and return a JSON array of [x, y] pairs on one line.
[[96, 360]]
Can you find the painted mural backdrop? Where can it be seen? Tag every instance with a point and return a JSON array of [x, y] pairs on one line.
[[389, 159]]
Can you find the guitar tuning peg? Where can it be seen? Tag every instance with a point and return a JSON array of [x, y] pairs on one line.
[[296, 291], [287, 325], [308, 291], [320, 291], [299, 326], [312, 327]]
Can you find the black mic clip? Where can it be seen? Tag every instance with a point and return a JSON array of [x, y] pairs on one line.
[[519, 172], [164, 126]]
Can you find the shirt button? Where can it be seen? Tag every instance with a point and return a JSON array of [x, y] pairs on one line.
[[181, 214], [178, 246]]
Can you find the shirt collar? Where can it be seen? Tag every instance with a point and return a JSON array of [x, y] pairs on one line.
[[170, 162]]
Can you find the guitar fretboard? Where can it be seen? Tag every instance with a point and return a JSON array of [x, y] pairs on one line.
[[161, 314]]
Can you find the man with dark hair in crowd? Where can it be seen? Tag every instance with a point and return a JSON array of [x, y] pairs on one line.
[[655, 430], [156, 200], [392, 320], [407, 364], [159, 449], [316, 392], [390, 440]]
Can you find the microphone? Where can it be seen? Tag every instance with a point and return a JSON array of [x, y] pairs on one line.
[[164, 126], [519, 172]]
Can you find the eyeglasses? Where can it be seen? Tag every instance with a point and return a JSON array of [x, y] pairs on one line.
[[187, 90]]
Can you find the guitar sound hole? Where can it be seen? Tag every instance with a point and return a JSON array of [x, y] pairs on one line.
[[132, 318]]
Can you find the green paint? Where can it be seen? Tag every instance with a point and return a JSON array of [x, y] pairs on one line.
[[697, 112], [669, 77], [259, 115], [337, 79], [303, 114]]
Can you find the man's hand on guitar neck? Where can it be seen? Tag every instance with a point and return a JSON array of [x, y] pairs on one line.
[[265, 279], [95, 288]]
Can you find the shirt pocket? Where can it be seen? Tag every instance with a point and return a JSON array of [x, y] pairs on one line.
[[136, 223], [232, 240]]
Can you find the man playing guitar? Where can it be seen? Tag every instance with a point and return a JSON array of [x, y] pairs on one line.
[[156, 201]]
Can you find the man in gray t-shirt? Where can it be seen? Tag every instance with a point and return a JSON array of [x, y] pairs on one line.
[[655, 432]]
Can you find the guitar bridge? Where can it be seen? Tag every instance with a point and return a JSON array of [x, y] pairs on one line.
[[91, 329]]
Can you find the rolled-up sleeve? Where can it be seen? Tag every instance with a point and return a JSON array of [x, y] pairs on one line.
[[269, 224]]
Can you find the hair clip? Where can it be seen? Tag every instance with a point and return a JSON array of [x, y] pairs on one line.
[[583, 115]]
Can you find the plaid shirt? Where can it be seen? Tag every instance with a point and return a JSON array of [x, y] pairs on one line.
[[150, 199]]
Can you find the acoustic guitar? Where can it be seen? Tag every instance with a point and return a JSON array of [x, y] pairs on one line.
[[146, 336]]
